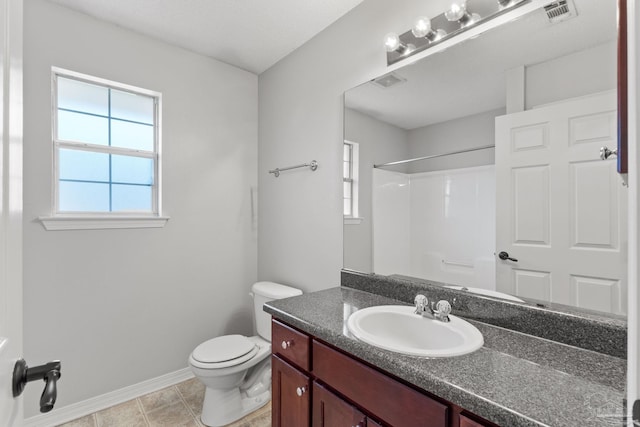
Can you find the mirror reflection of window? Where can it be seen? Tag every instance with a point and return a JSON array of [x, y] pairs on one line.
[[350, 159], [546, 100]]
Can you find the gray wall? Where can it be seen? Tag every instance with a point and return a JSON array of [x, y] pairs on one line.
[[379, 142], [453, 135], [300, 98], [122, 306], [588, 71]]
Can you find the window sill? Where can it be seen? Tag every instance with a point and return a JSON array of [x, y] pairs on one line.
[[352, 221], [56, 223]]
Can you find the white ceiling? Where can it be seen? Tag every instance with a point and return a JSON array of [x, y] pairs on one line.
[[250, 34], [469, 78]]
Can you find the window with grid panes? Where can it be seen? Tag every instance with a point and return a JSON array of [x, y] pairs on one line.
[[106, 145], [350, 179]]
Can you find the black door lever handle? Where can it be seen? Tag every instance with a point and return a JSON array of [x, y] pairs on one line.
[[50, 392], [504, 256], [49, 372]]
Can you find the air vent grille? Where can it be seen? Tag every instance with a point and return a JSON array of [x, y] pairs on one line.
[[560, 11], [388, 80]]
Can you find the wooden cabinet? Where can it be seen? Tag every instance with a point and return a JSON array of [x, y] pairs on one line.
[[395, 406], [329, 410], [290, 392], [468, 422], [291, 344], [317, 385]]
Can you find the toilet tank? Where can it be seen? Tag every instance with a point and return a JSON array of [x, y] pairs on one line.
[[264, 292]]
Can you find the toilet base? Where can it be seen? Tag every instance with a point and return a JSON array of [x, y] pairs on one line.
[[222, 407]]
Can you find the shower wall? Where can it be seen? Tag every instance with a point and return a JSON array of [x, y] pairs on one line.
[[436, 225], [391, 214]]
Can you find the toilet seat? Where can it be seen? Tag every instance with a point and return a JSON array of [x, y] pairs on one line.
[[225, 351]]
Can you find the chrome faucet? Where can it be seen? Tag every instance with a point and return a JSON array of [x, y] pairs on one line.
[[440, 312]]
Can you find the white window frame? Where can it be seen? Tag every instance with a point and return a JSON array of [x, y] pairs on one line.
[[104, 220], [354, 218]]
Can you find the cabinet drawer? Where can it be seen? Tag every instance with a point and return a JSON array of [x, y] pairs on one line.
[[469, 422], [290, 344], [398, 405]]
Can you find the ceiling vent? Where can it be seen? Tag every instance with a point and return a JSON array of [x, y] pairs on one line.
[[561, 10], [388, 80]]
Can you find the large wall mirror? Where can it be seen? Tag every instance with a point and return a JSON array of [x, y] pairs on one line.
[[513, 199]]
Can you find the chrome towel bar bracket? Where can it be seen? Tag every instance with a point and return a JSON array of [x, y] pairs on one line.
[[313, 165]]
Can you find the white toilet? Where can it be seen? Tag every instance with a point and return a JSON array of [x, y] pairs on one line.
[[236, 369]]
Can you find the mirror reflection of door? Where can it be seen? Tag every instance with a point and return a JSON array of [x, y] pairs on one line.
[[563, 213], [440, 219]]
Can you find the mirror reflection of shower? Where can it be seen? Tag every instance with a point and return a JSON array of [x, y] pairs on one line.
[[429, 207]]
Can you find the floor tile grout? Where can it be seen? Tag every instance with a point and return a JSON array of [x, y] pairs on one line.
[[144, 413], [195, 416]]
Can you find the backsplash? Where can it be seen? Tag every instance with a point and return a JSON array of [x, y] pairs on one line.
[[567, 325]]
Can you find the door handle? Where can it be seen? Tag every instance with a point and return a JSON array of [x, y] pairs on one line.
[[605, 153], [505, 256], [49, 372]]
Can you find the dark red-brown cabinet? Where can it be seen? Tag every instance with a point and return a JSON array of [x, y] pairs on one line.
[[291, 399], [329, 410], [315, 384]]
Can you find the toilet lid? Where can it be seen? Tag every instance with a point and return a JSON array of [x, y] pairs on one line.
[[223, 349]]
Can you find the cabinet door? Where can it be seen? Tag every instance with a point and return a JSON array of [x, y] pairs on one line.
[[331, 411], [290, 395], [371, 423]]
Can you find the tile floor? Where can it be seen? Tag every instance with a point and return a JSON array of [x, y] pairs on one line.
[[176, 406]]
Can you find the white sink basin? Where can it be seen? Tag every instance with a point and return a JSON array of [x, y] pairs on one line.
[[397, 328]]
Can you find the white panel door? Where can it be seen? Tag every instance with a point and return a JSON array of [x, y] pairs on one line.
[[562, 211], [10, 206]]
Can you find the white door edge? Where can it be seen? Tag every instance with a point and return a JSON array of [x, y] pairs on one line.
[[633, 346]]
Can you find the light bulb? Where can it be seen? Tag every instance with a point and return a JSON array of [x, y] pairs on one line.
[[457, 11], [422, 27], [391, 42], [438, 34], [472, 20]]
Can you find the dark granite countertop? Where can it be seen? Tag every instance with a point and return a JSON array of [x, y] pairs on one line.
[[513, 380]]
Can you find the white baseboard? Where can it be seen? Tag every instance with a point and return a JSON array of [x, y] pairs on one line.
[[76, 410]]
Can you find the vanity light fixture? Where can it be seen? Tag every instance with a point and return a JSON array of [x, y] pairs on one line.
[[504, 4], [458, 12], [393, 44], [422, 29], [429, 32]]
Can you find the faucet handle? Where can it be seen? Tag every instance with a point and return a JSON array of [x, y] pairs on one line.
[[443, 308], [421, 300], [421, 303]]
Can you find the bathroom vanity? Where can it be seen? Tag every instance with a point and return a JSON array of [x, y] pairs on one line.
[[317, 384], [323, 376]]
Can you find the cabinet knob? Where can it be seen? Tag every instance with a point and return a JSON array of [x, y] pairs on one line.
[[286, 344], [301, 390]]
